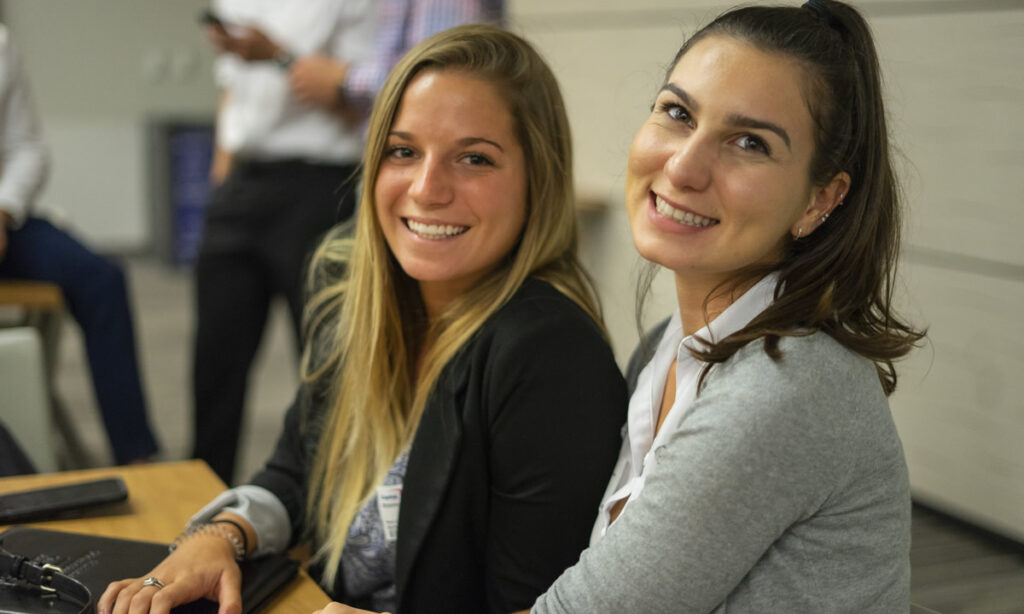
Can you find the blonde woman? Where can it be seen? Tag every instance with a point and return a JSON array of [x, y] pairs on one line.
[[462, 409]]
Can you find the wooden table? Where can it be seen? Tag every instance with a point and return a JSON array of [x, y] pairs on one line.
[[161, 499]]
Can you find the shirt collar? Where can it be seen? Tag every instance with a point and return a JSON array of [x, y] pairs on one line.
[[737, 315]]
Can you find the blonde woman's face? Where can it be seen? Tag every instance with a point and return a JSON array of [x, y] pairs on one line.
[[451, 191]]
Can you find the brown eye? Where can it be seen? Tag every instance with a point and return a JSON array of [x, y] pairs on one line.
[[749, 142], [476, 159], [676, 112], [398, 152]]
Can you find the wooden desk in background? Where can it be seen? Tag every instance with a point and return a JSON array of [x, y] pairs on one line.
[[161, 499]]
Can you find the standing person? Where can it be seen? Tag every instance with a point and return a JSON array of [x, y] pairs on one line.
[[281, 173], [94, 287], [304, 76], [761, 451], [461, 408], [321, 79]]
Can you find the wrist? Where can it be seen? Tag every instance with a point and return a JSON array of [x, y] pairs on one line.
[[227, 530], [283, 58]]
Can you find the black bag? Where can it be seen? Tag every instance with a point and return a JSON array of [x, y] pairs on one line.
[[27, 587]]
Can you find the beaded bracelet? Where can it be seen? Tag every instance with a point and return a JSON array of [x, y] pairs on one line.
[[241, 531], [217, 528]]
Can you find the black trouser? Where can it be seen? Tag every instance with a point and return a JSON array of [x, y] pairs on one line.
[[261, 225]]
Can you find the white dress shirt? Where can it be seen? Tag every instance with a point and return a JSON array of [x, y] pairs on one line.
[[24, 160], [639, 444], [261, 118]]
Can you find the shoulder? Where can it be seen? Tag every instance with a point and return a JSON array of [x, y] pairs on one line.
[[814, 362], [818, 394], [539, 311], [539, 333], [643, 352]]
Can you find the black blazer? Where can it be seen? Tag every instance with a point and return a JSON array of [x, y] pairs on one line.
[[507, 467]]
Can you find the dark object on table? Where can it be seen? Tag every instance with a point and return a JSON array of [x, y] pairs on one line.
[[41, 503], [96, 561]]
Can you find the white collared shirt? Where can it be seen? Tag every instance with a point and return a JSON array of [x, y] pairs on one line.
[[24, 158], [261, 118], [637, 457]]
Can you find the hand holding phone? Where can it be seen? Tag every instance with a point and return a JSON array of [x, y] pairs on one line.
[[210, 18]]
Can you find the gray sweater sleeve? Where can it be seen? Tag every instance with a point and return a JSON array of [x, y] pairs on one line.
[[784, 489]]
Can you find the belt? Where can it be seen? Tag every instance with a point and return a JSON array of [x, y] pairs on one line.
[[48, 579]]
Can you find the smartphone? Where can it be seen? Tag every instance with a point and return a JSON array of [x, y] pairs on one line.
[[210, 18], [39, 503]]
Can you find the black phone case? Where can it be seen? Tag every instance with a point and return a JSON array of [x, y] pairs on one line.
[[40, 503]]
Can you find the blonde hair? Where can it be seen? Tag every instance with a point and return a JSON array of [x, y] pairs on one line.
[[366, 324]]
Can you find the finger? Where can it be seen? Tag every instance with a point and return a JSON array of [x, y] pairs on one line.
[[171, 595], [139, 603], [229, 593], [109, 596], [124, 597]]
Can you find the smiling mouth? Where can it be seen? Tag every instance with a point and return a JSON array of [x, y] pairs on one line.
[[683, 217], [434, 231]]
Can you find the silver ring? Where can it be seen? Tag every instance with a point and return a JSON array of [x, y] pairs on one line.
[[152, 581]]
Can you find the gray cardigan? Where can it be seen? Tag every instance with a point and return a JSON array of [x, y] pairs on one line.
[[784, 490]]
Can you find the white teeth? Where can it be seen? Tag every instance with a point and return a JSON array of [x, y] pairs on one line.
[[435, 231], [683, 217]]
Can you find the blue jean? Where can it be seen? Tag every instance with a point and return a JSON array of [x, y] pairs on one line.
[[96, 295]]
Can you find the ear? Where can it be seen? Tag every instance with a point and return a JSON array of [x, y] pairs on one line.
[[823, 200]]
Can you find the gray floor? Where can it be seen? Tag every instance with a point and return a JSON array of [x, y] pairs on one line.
[[162, 298], [956, 570]]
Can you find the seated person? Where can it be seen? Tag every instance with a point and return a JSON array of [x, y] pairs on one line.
[[761, 450], [461, 408], [31, 248], [761, 471]]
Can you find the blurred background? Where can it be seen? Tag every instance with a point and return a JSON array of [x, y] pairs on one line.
[[127, 99]]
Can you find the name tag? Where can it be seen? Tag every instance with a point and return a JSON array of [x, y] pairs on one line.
[[389, 500]]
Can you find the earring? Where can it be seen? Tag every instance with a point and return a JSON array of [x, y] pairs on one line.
[[799, 233], [824, 216]]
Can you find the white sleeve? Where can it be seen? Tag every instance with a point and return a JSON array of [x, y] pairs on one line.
[[24, 159], [260, 508]]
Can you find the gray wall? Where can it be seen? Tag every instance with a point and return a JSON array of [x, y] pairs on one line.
[[103, 68], [100, 71]]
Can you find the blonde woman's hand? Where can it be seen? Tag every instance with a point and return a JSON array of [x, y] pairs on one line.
[[202, 566], [340, 608]]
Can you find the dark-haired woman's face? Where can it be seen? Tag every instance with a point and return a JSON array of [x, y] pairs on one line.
[[718, 175]]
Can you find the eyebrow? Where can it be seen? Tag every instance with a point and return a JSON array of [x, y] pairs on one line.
[[464, 142], [750, 122], [738, 120]]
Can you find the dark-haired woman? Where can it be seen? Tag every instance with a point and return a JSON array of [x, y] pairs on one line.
[[762, 471]]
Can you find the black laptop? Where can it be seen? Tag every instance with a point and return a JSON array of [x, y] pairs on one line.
[[96, 561]]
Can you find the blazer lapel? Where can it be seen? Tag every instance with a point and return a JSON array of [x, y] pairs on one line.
[[431, 463]]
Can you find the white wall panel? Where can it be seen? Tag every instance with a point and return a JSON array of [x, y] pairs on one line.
[[960, 401], [100, 69], [956, 88]]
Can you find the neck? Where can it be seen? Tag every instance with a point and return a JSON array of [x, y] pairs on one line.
[[437, 297], [696, 309]]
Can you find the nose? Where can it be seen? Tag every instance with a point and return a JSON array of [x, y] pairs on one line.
[[431, 186], [690, 165]]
